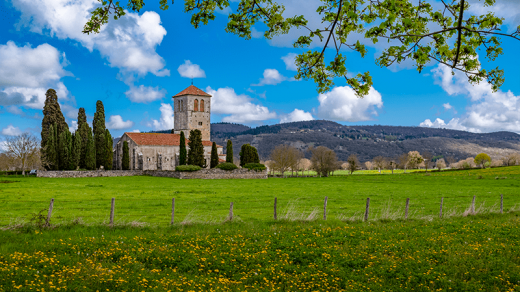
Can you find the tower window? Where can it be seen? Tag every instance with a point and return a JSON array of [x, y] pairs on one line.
[[200, 123], [196, 105], [182, 105], [201, 105]]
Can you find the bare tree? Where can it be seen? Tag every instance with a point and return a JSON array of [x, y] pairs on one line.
[[22, 149], [353, 163], [451, 161], [512, 159], [369, 165], [414, 159], [440, 164], [391, 164], [304, 164], [403, 161], [427, 156], [323, 160], [379, 162], [285, 157]]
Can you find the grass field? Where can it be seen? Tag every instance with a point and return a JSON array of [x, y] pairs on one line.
[[148, 199], [474, 253]]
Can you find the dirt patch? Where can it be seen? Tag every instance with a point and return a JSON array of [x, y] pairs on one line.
[[8, 181]]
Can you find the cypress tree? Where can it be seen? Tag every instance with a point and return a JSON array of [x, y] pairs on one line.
[[90, 157], [214, 156], [83, 129], [50, 151], [109, 152], [182, 152], [98, 125], [125, 164], [76, 151], [229, 151], [69, 142], [254, 155], [64, 150], [52, 115], [196, 151], [244, 155]]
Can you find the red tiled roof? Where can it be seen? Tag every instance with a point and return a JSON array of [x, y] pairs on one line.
[[192, 90], [159, 139], [221, 160]]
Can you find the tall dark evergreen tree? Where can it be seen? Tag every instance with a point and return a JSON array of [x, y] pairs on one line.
[[248, 154], [98, 125], [196, 151], [50, 150], [182, 151], [229, 151], [254, 155], [214, 156], [82, 132], [64, 150], [125, 163], [70, 162], [52, 115], [76, 151], [90, 157], [109, 152]]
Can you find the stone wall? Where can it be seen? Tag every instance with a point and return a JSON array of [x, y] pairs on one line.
[[201, 174]]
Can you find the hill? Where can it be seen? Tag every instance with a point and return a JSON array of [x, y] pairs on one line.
[[370, 141]]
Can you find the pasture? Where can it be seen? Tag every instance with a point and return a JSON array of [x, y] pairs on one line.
[[149, 199]]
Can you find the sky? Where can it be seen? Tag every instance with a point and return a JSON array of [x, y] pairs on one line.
[[137, 63]]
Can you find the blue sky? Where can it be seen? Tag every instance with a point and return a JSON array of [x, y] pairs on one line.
[[137, 63]]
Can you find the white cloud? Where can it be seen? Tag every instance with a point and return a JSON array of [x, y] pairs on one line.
[[116, 122], [136, 131], [447, 106], [239, 108], [256, 34], [144, 94], [166, 121], [190, 70], [489, 111], [128, 43], [289, 61], [3, 146], [342, 104], [271, 77], [296, 116], [11, 131], [73, 127], [26, 73]]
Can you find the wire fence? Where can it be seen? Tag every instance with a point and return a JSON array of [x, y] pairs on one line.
[[170, 211]]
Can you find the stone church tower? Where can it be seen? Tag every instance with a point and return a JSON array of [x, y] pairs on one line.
[[192, 110]]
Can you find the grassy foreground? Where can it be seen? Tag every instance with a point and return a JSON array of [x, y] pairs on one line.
[[149, 199], [474, 253]]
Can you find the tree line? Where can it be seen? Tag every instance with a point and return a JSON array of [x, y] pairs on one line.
[[87, 148]]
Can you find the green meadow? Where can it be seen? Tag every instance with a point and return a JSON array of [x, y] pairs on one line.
[[148, 200]]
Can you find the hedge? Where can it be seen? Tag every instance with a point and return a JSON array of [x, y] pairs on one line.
[[255, 166], [187, 168], [227, 166]]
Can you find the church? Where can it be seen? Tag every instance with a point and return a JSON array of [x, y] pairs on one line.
[[156, 151]]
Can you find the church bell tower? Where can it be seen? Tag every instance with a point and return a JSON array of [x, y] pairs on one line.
[[192, 110]]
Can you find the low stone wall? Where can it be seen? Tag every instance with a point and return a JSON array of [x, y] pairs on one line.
[[201, 174], [89, 173]]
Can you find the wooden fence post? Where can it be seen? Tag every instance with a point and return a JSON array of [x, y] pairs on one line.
[[440, 212], [325, 209], [501, 203], [406, 209], [231, 212], [50, 212], [112, 212], [173, 211], [366, 209], [275, 215], [473, 205]]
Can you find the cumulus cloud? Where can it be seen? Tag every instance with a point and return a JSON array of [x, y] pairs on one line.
[[447, 106], [271, 77], [166, 120], [190, 70], [342, 104], [296, 116], [116, 122], [128, 43], [136, 131], [239, 108], [289, 61], [144, 94], [489, 111], [11, 131], [26, 73], [73, 126]]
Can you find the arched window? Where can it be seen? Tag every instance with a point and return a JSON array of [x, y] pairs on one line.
[[201, 105], [196, 105]]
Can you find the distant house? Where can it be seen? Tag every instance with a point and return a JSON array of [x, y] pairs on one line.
[[156, 151]]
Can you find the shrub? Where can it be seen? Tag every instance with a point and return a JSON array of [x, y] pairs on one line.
[[227, 166], [188, 168], [255, 166]]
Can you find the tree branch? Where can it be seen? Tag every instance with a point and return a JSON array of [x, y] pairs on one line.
[[459, 28], [330, 34]]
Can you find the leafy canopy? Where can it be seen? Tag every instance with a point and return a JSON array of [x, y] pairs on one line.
[[413, 30]]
